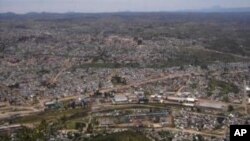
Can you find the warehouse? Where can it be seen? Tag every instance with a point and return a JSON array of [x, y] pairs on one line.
[[120, 99]]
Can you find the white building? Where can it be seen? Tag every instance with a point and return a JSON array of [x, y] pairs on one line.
[[247, 88], [120, 98]]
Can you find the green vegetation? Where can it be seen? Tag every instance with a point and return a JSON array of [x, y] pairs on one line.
[[76, 123], [117, 80], [4, 137], [225, 87], [226, 44], [230, 108], [52, 115], [122, 136], [166, 135], [42, 132], [79, 125], [194, 85]]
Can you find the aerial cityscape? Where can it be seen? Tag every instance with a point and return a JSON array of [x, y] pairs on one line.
[[181, 75]]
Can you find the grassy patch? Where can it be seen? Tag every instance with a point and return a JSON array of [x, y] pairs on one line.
[[51, 115], [122, 136], [225, 87]]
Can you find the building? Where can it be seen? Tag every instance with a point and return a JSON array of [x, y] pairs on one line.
[[139, 94], [182, 99], [212, 105], [105, 122], [247, 88], [120, 99], [53, 105]]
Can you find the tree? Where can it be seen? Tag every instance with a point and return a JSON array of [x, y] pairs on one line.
[[230, 108], [27, 134], [43, 130], [63, 119], [41, 133], [5, 138], [90, 128], [79, 126]]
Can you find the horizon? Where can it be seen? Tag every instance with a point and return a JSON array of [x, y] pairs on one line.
[[206, 10], [114, 6]]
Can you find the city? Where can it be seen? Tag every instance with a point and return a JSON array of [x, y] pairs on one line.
[[152, 76]]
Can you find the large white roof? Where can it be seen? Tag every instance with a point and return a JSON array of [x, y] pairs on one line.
[[119, 98], [247, 88]]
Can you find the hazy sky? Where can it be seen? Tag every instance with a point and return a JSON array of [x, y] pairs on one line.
[[24, 6]]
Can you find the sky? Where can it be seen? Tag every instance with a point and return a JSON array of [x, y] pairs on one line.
[[94, 6]]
